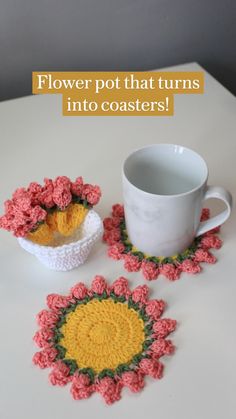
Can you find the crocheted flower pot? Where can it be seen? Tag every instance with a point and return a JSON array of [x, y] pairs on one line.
[[55, 221], [69, 255]]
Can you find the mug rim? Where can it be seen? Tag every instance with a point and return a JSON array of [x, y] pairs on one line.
[[166, 145]]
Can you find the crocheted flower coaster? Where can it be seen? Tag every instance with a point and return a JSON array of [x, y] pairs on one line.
[[103, 338], [115, 235]]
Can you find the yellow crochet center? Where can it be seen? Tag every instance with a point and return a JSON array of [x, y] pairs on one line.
[[70, 219], [64, 222], [43, 235], [102, 334]]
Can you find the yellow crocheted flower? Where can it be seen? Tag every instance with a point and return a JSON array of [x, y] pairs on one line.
[[65, 222], [70, 219], [43, 235], [102, 334]]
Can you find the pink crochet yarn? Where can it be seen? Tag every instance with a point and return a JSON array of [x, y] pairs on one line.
[[152, 367], [203, 255], [109, 389], [99, 284], [133, 380], [190, 266], [120, 287], [45, 357], [162, 347], [132, 263], [79, 291], [163, 327], [115, 251], [60, 375], [112, 236], [155, 308], [140, 294], [42, 337], [55, 301], [47, 318], [150, 270], [77, 186], [170, 271], [81, 387], [118, 211]]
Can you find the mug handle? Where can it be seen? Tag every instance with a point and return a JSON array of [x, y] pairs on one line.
[[222, 194]]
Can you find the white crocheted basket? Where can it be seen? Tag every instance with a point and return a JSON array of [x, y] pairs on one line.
[[64, 257]]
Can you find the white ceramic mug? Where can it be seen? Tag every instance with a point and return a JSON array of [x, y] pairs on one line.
[[164, 186]]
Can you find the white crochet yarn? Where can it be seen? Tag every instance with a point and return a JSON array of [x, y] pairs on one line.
[[70, 255]]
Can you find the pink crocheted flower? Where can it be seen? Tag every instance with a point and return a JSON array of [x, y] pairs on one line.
[[37, 214], [151, 367], [46, 196], [190, 266], [205, 214], [155, 308], [34, 190], [22, 200], [60, 375], [162, 347], [163, 327], [118, 211], [19, 193], [132, 263], [150, 270], [133, 380], [45, 357], [79, 291], [47, 318], [77, 186], [81, 388], [62, 181], [62, 196], [42, 337], [140, 294], [109, 389], [202, 255], [92, 194], [120, 287], [99, 285], [211, 242], [111, 236], [170, 271], [56, 301], [110, 223], [116, 251]]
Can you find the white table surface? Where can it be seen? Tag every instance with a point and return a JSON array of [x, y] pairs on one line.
[[36, 141]]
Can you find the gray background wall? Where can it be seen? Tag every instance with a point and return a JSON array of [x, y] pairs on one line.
[[113, 35]]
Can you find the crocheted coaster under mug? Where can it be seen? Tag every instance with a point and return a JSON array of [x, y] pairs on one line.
[[120, 248], [103, 338]]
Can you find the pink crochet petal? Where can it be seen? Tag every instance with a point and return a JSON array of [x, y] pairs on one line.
[[151, 367], [81, 387], [163, 327], [202, 255]]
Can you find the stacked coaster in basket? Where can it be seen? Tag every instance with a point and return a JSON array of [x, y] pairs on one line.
[[55, 221]]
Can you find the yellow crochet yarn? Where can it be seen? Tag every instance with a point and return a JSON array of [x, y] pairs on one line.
[[102, 334], [43, 235], [70, 219], [51, 221]]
